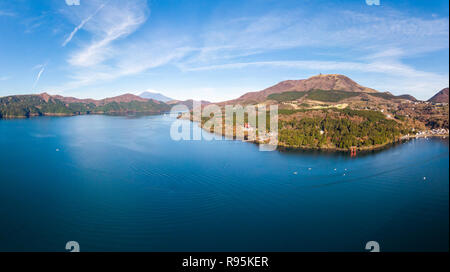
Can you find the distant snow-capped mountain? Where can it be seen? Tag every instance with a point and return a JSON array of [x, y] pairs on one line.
[[155, 96]]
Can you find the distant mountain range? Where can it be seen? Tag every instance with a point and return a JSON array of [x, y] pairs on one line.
[[156, 96], [440, 97], [20, 106], [170, 101], [316, 92], [125, 98]]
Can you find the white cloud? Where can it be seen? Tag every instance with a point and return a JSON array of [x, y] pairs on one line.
[[134, 59], [106, 22], [80, 26], [236, 37], [108, 55], [372, 44], [377, 67], [3, 78]]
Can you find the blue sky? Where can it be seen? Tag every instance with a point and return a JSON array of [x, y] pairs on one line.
[[218, 50]]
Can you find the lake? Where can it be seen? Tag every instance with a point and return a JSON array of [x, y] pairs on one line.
[[115, 183]]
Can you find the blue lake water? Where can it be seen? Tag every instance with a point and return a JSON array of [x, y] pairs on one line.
[[121, 184]]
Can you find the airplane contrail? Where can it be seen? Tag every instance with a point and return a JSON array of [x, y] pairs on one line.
[[78, 27], [39, 76]]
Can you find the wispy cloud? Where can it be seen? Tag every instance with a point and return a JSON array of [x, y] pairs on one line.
[[41, 68], [136, 58], [387, 53], [398, 77], [108, 56], [116, 20], [377, 67], [236, 37], [7, 13], [36, 22], [373, 44], [368, 42], [80, 26], [392, 68]]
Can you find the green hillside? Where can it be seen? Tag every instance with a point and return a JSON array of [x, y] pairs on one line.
[[35, 105], [286, 96], [339, 129], [318, 95], [330, 95]]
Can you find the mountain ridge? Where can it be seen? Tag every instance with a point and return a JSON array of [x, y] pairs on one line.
[[120, 98], [441, 97], [335, 82], [20, 106]]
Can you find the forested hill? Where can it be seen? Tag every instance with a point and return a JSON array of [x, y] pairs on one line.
[[334, 112], [21, 106]]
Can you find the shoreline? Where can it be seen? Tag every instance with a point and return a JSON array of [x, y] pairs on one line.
[[284, 147], [118, 113], [280, 146]]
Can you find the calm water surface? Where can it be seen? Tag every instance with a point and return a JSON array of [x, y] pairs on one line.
[[122, 184]]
